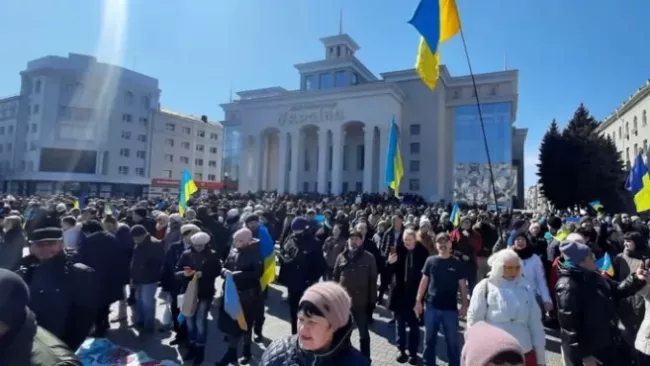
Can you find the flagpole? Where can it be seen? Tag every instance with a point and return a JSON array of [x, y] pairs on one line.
[[480, 116]]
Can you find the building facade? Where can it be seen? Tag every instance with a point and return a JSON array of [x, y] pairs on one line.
[[182, 142], [79, 125], [628, 126], [535, 200], [331, 135]]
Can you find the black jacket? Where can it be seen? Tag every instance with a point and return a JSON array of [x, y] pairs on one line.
[[147, 262], [407, 278], [207, 263], [302, 261], [586, 305], [287, 351], [101, 252]]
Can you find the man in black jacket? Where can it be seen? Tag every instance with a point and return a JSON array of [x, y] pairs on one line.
[[586, 304], [63, 292], [22, 342]]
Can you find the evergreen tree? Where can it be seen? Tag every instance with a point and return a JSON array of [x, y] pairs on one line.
[[582, 125], [551, 168]]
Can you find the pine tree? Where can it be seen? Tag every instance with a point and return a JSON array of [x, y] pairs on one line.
[[582, 125], [551, 169]]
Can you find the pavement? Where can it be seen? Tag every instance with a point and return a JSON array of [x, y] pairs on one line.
[[383, 351]]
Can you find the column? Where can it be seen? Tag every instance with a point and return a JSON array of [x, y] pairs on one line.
[[323, 149], [264, 160], [368, 168], [282, 162], [293, 173], [255, 173], [383, 151], [337, 159]]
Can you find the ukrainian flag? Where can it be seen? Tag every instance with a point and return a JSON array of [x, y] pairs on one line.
[[80, 201], [436, 21], [455, 215], [188, 188], [394, 167], [638, 182], [596, 205], [604, 264], [231, 303], [267, 251]]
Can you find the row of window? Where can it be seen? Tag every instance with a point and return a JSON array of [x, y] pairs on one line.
[[10, 130], [124, 170], [166, 173], [171, 127], [129, 100], [644, 150], [635, 127], [186, 160], [126, 135], [128, 118], [186, 145], [341, 78], [8, 111], [140, 154], [414, 186]]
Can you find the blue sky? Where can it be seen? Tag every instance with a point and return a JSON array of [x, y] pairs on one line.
[[567, 52]]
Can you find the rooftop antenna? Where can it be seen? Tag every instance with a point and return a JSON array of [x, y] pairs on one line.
[[230, 93], [505, 62], [341, 22]]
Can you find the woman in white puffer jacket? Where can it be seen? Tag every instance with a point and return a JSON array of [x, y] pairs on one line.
[[506, 300]]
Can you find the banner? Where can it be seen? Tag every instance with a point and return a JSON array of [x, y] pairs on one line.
[[102, 352]]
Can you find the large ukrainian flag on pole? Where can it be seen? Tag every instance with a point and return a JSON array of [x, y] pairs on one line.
[[436, 21], [394, 167], [638, 182], [188, 188]]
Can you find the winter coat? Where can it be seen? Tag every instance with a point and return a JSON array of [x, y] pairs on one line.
[[168, 280], [642, 341], [287, 352], [511, 306], [123, 265], [207, 263], [11, 249], [586, 306], [332, 248], [408, 273], [631, 310], [101, 251], [302, 262], [147, 262], [533, 271], [357, 273]]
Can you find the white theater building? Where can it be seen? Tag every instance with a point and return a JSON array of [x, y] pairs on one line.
[[331, 135]]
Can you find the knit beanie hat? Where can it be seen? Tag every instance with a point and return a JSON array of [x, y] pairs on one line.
[[483, 342], [332, 300], [574, 251]]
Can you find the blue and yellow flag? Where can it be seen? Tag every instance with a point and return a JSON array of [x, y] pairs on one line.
[[232, 304], [436, 21], [80, 201], [394, 167], [188, 188], [596, 205], [267, 252], [604, 264], [455, 215], [638, 182]]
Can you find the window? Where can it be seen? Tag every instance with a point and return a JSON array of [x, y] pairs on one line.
[[345, 187], [324, 81], [361, 157], [620, 132], [123, 170], [2, 130], [141, 154], [146, 102], [214, 136], [125, 152], [627, 130], [10, 129], [169, 158], [306, 164], [126, 135], [414, 130], [169, 142], [338, 51], [644, 119], [139, 171], [167, 173], [309, 82], [170, 127], [339, 78], [635, 126], [493, 91], [32, 146], [198, 176], [213, 150], [636, 150], [33, 128], [128, 98], [36, 108], [37, 86], [144, 121], [305, 186], [200, 147], [142, 138], [414, 166], [198, 162], [355, 78], [212, 177], [414, 184], [127, 117], [200, 133], [185, 160], [9, 147], [414, 148], [358, 187], [645, 146], [187, 130], [185, 145], [212, 164]]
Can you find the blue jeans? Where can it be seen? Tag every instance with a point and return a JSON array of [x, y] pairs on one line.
[[145, 297], [433, 319], [197, 326]]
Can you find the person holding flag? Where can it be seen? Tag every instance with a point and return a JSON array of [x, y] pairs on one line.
[[188, 188]]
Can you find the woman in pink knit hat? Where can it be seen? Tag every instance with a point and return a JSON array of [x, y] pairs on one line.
[[324, 329]]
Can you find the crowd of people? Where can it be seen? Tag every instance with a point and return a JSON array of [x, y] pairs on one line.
[[510, 275]]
